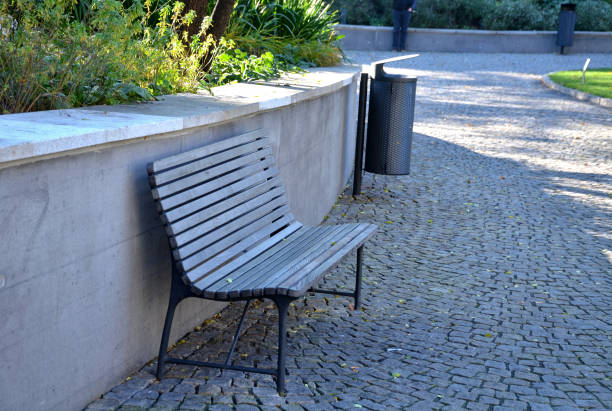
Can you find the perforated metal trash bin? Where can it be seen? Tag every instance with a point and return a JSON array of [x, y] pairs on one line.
[[567, 23], [390, 120]]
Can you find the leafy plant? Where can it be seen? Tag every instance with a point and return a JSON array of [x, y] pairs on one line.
[[50, 59], [233, 65], [303, 19], [296, 31]]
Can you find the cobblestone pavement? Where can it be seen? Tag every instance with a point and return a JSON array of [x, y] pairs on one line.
[[487, 287]]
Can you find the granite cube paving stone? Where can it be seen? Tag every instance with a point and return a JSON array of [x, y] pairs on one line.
[[145, 406], [133, 403], [172, 396], [146, 395], [487, 285], [291, 407], [104, 404], [220, 407], [223, 399], [184, 388], [165, 405], [120, 396]]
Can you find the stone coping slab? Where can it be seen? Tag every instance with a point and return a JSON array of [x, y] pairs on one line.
[[27, 137], [480, 41], [577, 94]]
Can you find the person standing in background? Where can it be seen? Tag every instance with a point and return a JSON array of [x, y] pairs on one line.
[[402, 10]]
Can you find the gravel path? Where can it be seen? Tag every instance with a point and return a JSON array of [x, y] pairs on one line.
[[488, 286]]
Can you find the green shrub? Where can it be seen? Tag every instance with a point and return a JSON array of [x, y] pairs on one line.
[[458, 14], [592, 15], [517, 15], [366, 12], [51, 60]]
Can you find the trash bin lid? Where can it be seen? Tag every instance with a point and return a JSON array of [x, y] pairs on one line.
[[380, 74], [396, 78]]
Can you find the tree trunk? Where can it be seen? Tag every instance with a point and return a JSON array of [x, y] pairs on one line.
[[220, 19], [200, 7]]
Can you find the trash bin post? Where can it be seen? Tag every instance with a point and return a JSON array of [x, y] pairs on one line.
[[363, 95], [567, 22]]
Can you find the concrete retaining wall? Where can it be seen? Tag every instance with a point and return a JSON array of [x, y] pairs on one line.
[[472, 41], [84, 264]]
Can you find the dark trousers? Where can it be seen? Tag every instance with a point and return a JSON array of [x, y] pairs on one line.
[[401, 20]]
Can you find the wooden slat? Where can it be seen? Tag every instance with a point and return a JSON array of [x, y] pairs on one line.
[[200, 152], [205, 282], [250, 276], [248, 199], [169, 203], [226, 248], [271, 267], [261, 204], [214, 159], [300, 261], [267, 271], [269, 210], [242, 276], [211, 198], [202, 176], [312, 272]]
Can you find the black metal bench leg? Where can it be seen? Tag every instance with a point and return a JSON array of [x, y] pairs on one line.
[[177, 294], [163, 347], [358, 278], [282, 303], [237, 335]]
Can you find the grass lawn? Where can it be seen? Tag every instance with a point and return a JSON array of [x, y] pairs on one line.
[[597, 81]]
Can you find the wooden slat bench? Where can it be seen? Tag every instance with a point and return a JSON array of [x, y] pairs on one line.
[[232, 236]]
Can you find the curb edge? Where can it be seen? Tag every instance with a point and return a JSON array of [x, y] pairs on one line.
[[577, 94]]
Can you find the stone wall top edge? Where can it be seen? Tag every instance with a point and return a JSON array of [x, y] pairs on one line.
[[26, 137]]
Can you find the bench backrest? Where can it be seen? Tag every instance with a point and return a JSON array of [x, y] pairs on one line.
[[219, 201]]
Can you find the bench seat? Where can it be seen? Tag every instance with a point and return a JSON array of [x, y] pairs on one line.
[[291, 266]]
